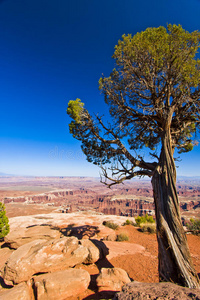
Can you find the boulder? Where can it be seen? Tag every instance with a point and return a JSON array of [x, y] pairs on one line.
[[61, 284], [5, 253], [97, 250], [17, 238], [162, 291], [19, 292], [107, 234], [112, 279], [41, 256], [111, 237]]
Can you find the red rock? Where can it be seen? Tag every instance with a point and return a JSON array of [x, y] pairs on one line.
[[17, 238], [62, 284], [162, 291], [97, 250], [112, 279], [19, 292], [5, 253], [43, 256]]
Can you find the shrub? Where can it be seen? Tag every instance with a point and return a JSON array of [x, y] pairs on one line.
[[144, 219], [194, 226], [128, 222], [150, 219], [4, 226], [110, 225], [139, 220], [122, 237], [148, 227]]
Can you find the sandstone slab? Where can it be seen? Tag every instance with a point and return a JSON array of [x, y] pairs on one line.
[[63, 220], [162, 291], [97, 250], [17, 238], [107, 233], [43, 256], [5, 253], [61, 284], [112, 279], [123, 249], [19, 292]]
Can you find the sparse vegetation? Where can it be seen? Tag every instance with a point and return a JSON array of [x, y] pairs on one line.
[[148, 227], [122, 237], [128, 222], [110, 224], [194, 226], [146, 223], [144, 219], [4, 226]]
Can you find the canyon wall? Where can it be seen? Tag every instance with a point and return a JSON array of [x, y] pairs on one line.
[[125, 202]]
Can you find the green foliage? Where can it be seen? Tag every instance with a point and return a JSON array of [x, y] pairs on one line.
[[162, 45], [152, 94], [187, 136], [4, 226], [122, 237], [194, 226], [75, 111], [148, 55], [139, 220], [146, 223], [110, 225], [128, 222], [144, 219]]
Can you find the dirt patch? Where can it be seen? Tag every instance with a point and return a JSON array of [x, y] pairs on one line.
[[118, 249], [13, 192], [23, 209], [141, 266]]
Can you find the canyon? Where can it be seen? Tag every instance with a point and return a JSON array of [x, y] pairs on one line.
[[73, 194], [45, 212]]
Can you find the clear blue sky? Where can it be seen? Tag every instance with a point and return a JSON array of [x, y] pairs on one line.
[[54, 51]]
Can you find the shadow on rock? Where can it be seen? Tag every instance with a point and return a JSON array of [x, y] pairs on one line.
[[80, 231], [4, 285], [103, 263], [101, 295]]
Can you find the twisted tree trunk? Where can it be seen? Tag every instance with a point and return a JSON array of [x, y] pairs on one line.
[[175, 263]]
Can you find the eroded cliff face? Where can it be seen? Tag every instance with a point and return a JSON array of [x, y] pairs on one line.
[[125, 202]]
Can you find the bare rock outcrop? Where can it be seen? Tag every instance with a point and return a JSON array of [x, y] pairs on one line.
[[17, 238], [97, 250], [43, 256], [107, 234], [162, 291], [5, 253], [19, 292], [112, 279], [61, 284]]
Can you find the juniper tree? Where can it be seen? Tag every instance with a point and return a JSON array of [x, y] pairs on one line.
[[4, 226], [153, 96]]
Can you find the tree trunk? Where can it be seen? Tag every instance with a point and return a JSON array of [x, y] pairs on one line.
[[175, 263]]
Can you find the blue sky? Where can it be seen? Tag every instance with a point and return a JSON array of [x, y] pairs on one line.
[[54, 51]]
